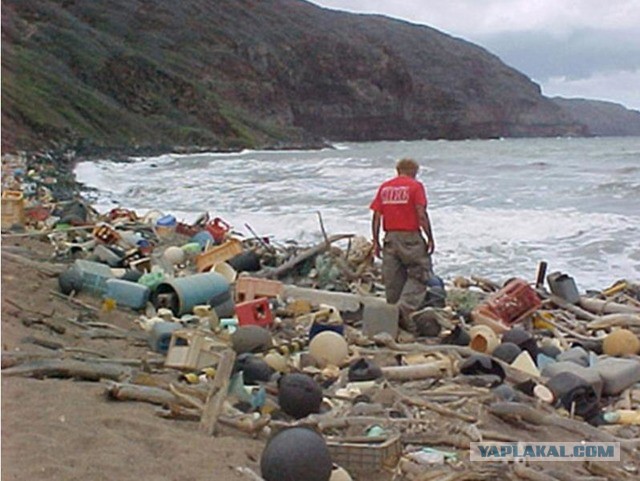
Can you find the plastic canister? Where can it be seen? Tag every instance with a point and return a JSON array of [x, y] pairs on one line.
[[618, 374], [204, 239], [160, 335], [183, 293], [166, 225], [218, 229], [563, 286], [483, 339], [126, 293]]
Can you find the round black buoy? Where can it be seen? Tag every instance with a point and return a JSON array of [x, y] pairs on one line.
[[296, 454], [299, 395]]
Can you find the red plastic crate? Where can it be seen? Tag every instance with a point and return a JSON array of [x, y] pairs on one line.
[[256, 312], [514, 301]]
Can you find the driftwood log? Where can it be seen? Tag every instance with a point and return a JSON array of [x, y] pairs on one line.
[[600, 306], [69, 368], [615, 320], [303, 256], [537, 417]]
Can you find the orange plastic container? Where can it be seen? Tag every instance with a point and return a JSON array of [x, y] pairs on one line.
[[510, 304]]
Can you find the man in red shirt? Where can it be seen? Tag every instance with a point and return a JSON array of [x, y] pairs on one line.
[[401, 204]]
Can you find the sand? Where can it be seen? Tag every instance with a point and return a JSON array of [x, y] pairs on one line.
[[61, 429]]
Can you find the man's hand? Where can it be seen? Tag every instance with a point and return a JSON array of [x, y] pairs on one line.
[[431, 245], [377, 251]]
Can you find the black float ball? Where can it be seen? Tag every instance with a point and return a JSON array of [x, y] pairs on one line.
[[254, 369], [507, 352], [296, 454], [299, 395]]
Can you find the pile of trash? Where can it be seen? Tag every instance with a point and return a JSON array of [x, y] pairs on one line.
[[296, 345]]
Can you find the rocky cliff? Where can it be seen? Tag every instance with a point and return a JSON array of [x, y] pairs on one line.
[[249, 73], [602, 118]]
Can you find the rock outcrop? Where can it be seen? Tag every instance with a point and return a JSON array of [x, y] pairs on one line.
[[602, 118], [250, 73]]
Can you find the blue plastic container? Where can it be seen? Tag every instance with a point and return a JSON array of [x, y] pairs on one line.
[[127, 293], [167, 221], [182, 294], [160, 335], [94, 276], [203, 238]]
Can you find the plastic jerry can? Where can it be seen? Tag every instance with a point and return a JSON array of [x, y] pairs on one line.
[[218, 229], [127, 293], [563, 286]]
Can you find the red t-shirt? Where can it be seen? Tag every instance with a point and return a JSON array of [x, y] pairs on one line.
[[396, 201]]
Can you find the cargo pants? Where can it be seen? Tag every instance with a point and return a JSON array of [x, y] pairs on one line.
[[406, 268]]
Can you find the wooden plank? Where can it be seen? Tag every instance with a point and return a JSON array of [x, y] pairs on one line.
[[217, 393]]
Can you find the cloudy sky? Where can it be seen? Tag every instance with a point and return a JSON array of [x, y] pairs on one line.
[[572, 48]]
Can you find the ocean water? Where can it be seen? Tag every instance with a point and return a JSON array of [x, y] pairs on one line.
[[497, 207]]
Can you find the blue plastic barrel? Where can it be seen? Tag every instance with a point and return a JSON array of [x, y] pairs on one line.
[[127, 293], [182, 294]]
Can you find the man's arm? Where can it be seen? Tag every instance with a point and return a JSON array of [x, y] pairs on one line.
[[425, 224], [375, 232]]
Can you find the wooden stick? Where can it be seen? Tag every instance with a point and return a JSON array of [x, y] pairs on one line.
[[324, 232], [533, 416], [73, 300], [218, 392], [47, 232], [615, 320], [433, 407], [417, 372], [134, 392], [598, 306], [303, 256], [564, 476], [46, 268], [68, 368], [529, 474], [581, 313]]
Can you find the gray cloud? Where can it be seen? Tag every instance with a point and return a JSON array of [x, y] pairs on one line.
[[577, 55]]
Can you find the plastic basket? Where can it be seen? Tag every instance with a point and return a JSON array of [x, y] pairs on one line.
[[12, 208], [362, 458]]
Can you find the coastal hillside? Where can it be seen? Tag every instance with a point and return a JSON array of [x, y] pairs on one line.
[[602, 118], [136, 74]]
